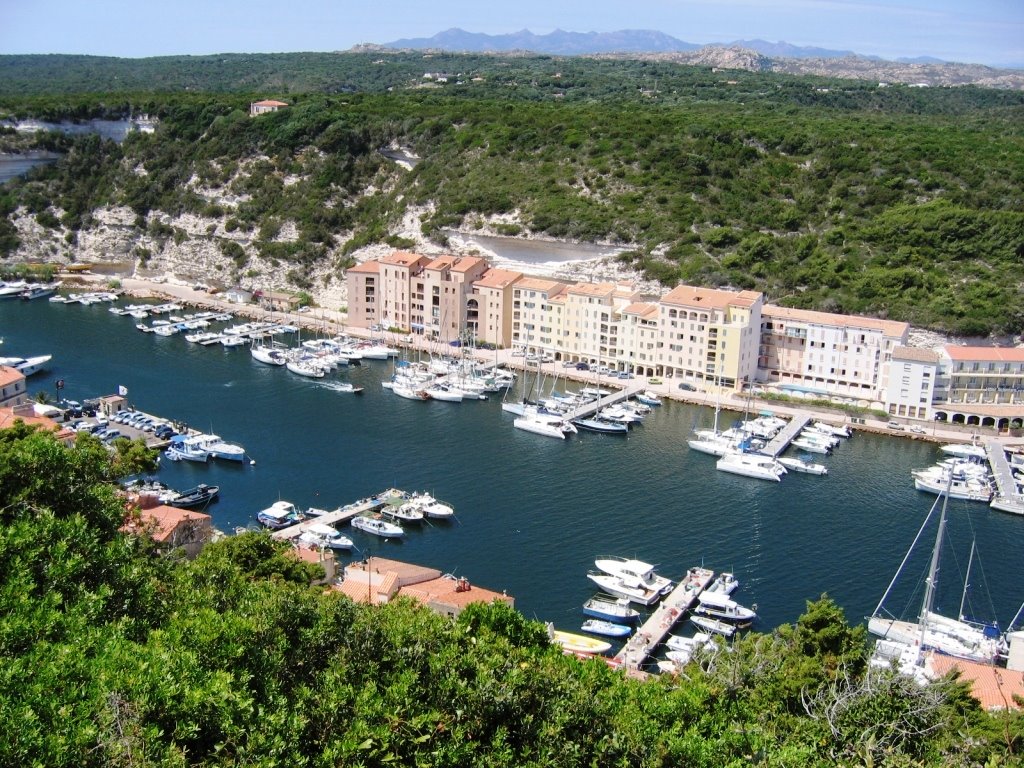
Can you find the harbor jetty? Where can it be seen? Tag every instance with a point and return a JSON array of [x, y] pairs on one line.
[[661, 622], [595, 405], [1006, 499], [781, 441], [344, 514]]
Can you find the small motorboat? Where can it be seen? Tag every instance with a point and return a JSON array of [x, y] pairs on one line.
[[345, 386], [405, 513], [378, 527], [715, 626], [199, 496], [606, 628], [580, 644], [322, 535], [617, 611], [803, 465], [280, 514], [721, 606], [725, 583], [648, 398]]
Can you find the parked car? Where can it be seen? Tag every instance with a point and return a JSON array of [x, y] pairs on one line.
[[895, 425], [654, 380], [687, 387], [917, 429], [582, 367]]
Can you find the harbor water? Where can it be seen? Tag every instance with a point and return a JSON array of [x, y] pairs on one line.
[[533, 512]]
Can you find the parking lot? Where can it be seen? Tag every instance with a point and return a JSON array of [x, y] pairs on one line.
[[129, 424]]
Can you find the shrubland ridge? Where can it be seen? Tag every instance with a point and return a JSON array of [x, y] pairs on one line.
[[114, 655], [896, 202]]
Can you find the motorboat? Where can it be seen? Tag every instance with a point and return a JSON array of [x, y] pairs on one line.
[[186, 448], [838, 430], [409, 392], [405, 513], [803, 465], [572, 643], [12, 289], [811, 446], [648, 398], [345, 386], [200, 496], [713, 625], [634, 572], [753, 465], [606, 628], [378, 527], [541, 422], [431, 507], [617, 611], [323, 535], [958, 484], [635, 593], [720, 606], [39, 290], [27, 366], [965, 451], [278, 515], [724, 583], [219, 449]]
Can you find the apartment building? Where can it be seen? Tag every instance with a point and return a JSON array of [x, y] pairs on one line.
[[489, 308], [639, 334], [823, 353], [980, 385], [709, 337], [588, 320], [441, 293], [12, 386], [363, 283], [536, 308], [911, 382]]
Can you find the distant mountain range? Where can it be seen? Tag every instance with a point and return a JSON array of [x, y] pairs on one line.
[[755, 55], [562, 43]]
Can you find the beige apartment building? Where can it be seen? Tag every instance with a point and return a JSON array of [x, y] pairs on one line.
[[709, 337], [700, 336]]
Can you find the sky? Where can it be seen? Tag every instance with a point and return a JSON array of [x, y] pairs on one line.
[[972, 31]]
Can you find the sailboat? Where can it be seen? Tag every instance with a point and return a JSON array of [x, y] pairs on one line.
[[932, 631]]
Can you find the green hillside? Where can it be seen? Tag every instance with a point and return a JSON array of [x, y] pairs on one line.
[[897, 202]]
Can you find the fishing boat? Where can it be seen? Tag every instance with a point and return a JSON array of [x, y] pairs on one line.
[[322, 535], [431, 507], [219, 449], [648, 398], [186, 448], [617, 611], [572, 643], [377, 527], [278, 515], [606, 628], [404, 513], [961, 638], [200, 497], [720, 606], [713, 625]]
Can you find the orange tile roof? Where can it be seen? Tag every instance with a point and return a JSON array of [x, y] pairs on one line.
[[994, 687], [540, 284], [403, 258], [161, 521], [8, 418], [446, 591], [641, 308], [467, 263], [441, 262], [985, 354], [498, 278], [270, 103], [9, 375], [367, 267], [887, 327], [592, 289], [693, 296]]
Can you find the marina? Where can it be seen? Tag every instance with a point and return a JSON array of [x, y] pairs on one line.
[[532, 513]]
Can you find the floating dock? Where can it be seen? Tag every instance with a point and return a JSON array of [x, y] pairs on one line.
[[661, 622], [1007, 499], [344, 514], [781, 441], [595, 405]]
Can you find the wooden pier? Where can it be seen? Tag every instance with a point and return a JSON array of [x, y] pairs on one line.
[[661, 622], [343, 514], [595, 405], [1006, 499], [781, 441]]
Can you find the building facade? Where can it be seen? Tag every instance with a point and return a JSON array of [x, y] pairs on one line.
[[12, 386], [911, 382], [981, 386]]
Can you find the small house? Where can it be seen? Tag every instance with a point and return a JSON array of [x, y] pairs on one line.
[[238, 296], [171, 528], [267, 105]]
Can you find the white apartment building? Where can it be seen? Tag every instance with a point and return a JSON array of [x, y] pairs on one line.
[[820, 353], [981, 386], [911, 382], [533, 315]]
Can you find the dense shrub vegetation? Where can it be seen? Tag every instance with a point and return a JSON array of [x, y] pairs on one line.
[[897, 202], [113, 655]]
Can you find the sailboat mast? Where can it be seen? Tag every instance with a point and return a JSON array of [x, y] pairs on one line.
[[967, 583], [933, 568]]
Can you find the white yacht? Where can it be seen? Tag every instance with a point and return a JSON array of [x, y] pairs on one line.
[[27, 365], [751, 465], [322, 535], [803, 465], [271, 355], [720, 606], [635, 593], [305, 368], [432, 507], [219, 449], [961, 485], [377, 527], [634, 572], [540, 422]]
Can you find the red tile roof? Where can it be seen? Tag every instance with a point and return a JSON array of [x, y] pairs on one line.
[[367, 267], [9, 375], [498, 278], [161, 521], [994, 687], [985, 354], [887, 327], [693, 296]]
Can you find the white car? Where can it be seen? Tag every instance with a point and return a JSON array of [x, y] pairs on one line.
[[917, 429]]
